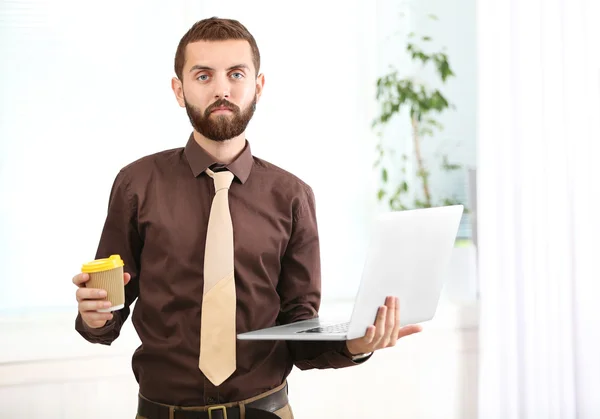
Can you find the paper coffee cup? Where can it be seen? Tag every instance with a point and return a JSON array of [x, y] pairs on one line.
[[107, 274]]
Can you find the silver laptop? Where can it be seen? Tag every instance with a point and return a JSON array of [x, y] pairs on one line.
[[408, 257]]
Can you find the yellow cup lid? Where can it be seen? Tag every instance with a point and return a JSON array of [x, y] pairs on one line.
[[99, 265]]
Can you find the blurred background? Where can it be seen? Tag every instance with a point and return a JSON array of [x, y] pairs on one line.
[[495, 105]]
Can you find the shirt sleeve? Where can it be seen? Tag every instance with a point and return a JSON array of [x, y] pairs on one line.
[[299, 289], [119, 236]]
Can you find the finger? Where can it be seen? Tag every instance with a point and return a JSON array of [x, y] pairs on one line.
[[126, 278], [409, 330], [379, 325], [390, 323], [396, 329], [81, 279], [390, 320], [93, 305], [94, 316], [370, 335], [89, 294]]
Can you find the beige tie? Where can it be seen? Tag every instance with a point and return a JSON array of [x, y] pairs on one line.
[[217, 330]]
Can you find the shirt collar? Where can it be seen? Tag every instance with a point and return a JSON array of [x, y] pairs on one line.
[[200, 160]]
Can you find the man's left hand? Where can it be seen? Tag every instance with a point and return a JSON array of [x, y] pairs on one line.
[[385, 332]]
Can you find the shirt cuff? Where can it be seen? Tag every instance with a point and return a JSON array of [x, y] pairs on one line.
[[98, 331], [358, 358]]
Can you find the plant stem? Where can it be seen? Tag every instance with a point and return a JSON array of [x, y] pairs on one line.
[[421, 172]]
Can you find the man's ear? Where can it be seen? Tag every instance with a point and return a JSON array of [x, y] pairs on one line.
[[177, 87], [260, 84]]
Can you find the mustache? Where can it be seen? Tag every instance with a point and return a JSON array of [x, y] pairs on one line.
[[222, 102]]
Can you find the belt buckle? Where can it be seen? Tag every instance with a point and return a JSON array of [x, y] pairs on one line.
[[216, 408]]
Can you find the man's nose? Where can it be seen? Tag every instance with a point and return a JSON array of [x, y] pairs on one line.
[[222, 89]]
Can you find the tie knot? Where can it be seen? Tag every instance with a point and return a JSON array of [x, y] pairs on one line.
[[222, 179]]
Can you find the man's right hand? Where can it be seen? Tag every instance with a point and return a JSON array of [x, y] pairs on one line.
[[91, 299]]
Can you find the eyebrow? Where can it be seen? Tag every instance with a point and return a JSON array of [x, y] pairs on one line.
[[203, 67]]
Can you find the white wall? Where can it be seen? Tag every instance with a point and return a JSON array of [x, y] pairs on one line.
[[104, 99], [78, 103]]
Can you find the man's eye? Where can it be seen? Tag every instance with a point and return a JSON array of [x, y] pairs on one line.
[[203, 77], [237, 75]]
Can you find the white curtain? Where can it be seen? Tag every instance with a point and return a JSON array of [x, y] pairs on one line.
[[539, 212]]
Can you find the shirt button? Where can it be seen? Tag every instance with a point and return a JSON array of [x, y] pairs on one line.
[[211, 400]]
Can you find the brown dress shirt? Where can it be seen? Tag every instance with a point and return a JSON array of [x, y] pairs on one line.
[[157, 220]]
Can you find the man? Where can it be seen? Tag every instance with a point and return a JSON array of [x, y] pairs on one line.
[[215, 242]]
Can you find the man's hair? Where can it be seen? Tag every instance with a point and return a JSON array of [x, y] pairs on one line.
[[215, 29]]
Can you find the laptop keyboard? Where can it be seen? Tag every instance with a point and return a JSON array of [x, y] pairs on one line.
[[334, 328]]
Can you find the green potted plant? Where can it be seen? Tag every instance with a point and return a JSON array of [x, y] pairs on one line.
[[399, 189]]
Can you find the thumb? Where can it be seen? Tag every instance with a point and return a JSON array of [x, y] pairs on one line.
[[126, 278], [409, 330]]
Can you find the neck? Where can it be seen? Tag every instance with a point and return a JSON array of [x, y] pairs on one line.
[[223, 151]]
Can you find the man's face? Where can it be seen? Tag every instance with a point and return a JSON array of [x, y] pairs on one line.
[[219, 88]]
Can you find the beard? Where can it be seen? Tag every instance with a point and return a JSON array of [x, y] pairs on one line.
[[220, 127]]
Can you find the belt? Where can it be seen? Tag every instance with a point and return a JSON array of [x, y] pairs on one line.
[[259, 408]]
